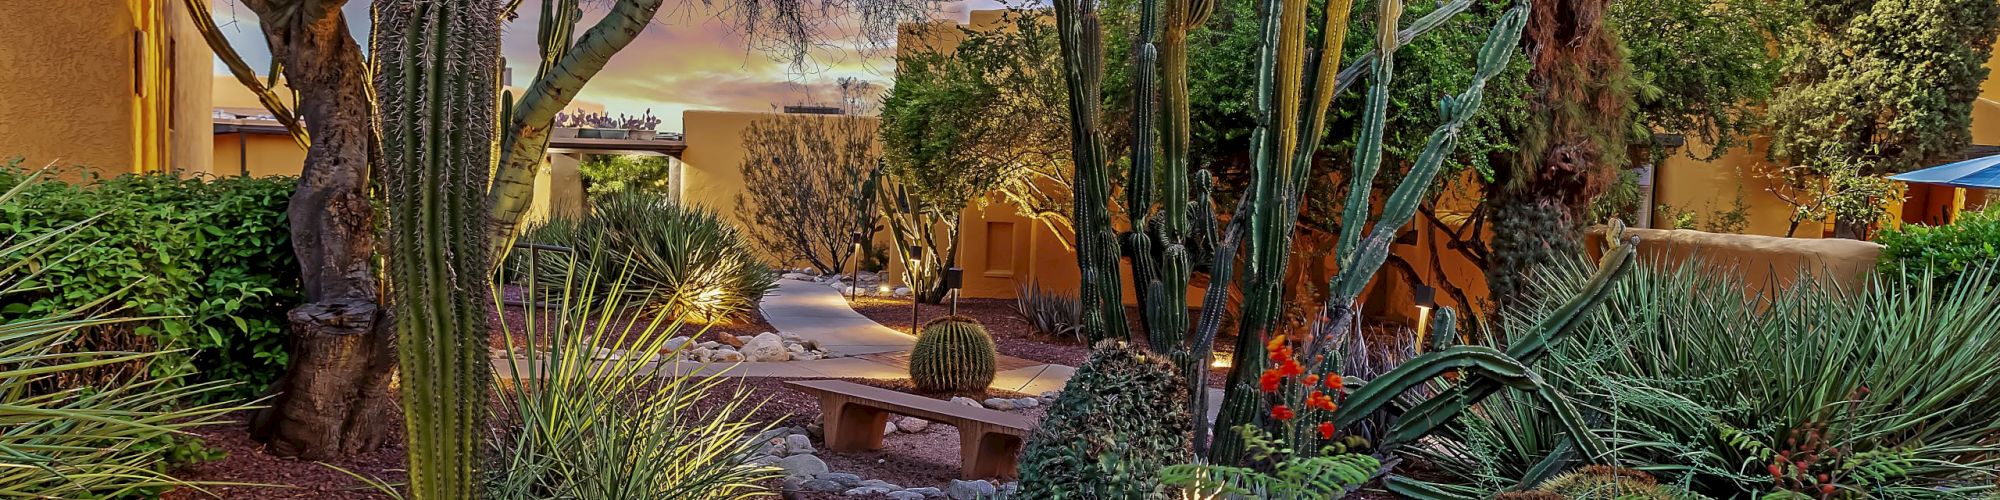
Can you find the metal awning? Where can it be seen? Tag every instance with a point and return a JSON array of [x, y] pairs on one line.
[[1982, 172]]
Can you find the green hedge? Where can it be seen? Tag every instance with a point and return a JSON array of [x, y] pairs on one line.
[[214, 257], [1945, 252]]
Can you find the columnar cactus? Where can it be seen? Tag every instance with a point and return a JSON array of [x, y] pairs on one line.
[[954, 354], [1294, 92], [436, 83]]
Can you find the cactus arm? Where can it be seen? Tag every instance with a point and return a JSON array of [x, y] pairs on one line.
[[527, 135], [437, 86], [1352, 73], [1097, 244], [204, 22], [1368, 148]]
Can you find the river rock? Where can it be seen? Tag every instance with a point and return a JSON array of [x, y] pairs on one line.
[[802, 465], [969, 490]]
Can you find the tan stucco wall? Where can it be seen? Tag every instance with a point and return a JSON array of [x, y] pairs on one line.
[[71, 95], [1759, 260], [270, 154]]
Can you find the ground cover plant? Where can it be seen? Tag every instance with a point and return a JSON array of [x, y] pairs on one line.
[[1808, 388]]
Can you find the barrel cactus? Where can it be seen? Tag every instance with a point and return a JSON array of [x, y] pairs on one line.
[[954, 354]]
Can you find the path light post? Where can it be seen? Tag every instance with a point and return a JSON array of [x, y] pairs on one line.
[[854, 289], [915, 255], [953, 279], [1426, 299]]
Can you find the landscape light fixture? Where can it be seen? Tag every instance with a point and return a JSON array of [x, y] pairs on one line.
[[915, 255], [953, 279], [854, 289], [1426, 299]]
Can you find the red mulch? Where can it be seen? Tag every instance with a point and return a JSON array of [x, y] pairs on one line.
[[248, 462]]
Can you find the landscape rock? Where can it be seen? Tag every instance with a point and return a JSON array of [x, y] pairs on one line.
[[964, 401], [889, 427], [821, 486], [1001, 404], [766, 347], [902, 291], [877, 483], [927, 492], [865, 491], [969, 490], [1027, 402], [912, 424], [845, 480], [802, 465], [799, 277], [725, 356], [905, 495], [798, 443], [676, 343], [1007, 490]]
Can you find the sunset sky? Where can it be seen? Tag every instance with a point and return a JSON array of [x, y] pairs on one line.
[[691, 58]]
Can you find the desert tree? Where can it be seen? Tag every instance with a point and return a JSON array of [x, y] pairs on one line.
[[334, 398], [804, 180], [1881, 86]]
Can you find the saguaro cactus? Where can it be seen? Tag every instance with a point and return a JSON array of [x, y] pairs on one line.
[[436, 81]]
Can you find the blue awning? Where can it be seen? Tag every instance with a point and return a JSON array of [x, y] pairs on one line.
[[1974, 173]]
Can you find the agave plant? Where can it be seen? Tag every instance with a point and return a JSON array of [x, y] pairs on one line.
[[657, 255], [590, 428], [1050, 312], [81, 442]]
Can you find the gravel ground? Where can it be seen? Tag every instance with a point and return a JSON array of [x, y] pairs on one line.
[[248, 462]]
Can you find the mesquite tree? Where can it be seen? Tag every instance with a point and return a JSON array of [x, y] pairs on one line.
[[334, 398], [438, 62], [803, 178]]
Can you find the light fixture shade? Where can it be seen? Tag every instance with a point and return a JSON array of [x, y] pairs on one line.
[[954, 278], [1424, 296]]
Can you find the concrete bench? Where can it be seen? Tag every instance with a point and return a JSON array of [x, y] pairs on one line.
[[855, 415]]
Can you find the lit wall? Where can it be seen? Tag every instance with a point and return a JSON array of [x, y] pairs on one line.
[[113, 86]]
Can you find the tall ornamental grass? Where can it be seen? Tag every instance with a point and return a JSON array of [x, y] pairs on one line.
[[108, 439], [613, 429], [1892, 390]]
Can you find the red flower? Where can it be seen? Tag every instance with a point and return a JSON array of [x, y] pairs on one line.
[[1269, 380], [1309, 381], [1826, 489], [1290, 367], [1334, 381], [1326, 430], [1319, 400], [1282, 412]]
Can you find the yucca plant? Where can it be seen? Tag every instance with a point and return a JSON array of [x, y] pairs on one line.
[[614, 429], [660, 256], [81, 442], [1889, 390]]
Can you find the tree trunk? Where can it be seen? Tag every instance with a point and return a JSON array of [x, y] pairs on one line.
[[1850, 228], [334, 398]]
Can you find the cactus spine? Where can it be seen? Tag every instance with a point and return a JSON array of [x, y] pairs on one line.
[[436, 83], [954, 354]]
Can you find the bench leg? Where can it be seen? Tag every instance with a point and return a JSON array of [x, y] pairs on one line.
[[987, 454], [852, 427]]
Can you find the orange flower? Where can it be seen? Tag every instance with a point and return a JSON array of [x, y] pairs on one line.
[[1309, 381], [1282, 412], [1290, 367], [1269, 380], [1334, 381], [1326, 430], [1319, 400], [1277, 342]]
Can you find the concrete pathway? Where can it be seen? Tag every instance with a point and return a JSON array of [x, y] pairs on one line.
[[817, 312]]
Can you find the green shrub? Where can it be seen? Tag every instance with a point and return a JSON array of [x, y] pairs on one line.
[[655, 254], [584, 427], [212, 258], [112, 439], [1888, 390], [1942, 252], [954, 354], [1120, 420]]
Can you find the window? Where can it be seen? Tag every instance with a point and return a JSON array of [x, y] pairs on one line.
[[173, 89], [139, 63]]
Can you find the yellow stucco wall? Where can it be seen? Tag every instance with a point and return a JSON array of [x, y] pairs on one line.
[[87, 83], [269, 154]]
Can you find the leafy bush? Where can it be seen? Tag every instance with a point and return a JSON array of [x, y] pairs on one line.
[[608, 175], [1944, 253], [209, 261], [1050, 312], [954, 354], [652, 253], [1119, 421], [1883, 391], [616, 429], [107, 440], [1330, 474]]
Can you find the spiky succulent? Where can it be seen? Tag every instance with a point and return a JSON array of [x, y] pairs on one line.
[[953, 354]]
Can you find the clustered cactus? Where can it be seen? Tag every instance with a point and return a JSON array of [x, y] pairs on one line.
[[1121, 418], [1295, 87], [1599, 481], [436, 80], [953, 354]]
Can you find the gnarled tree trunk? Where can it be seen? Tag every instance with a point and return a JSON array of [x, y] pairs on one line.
[[334, 398]]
